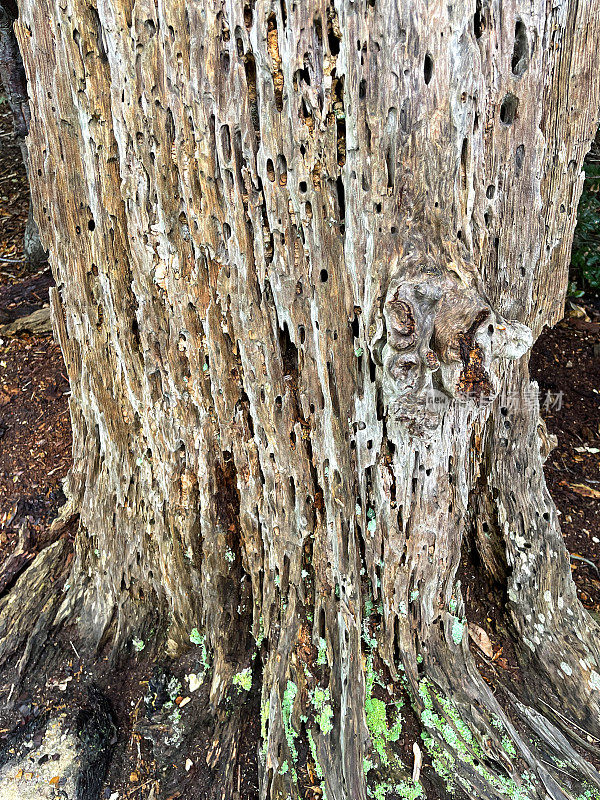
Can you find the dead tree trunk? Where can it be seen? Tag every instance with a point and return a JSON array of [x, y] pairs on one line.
[[12, 78], [301, 252]]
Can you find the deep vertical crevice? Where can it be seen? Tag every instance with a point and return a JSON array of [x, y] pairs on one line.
[[276, 71], [250, 70], [520, 56]]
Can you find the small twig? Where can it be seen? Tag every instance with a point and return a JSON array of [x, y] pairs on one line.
[[75, 649], [12, 261], [567, 720], [553, 766], [52, 471], [570, 471], [586, 560], [141, 786], [134, 715]]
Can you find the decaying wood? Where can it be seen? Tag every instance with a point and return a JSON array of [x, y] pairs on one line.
[[301, 251], [37, 322], [12, 79], [18, 559]]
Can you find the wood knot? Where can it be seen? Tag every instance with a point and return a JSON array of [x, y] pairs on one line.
[[402, 323]]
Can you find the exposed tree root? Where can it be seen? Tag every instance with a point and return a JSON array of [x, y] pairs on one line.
[[476, 744], [28, 611], [558, 642]]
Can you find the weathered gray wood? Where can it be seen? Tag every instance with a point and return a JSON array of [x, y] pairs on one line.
[[276, 230], [37, 322]]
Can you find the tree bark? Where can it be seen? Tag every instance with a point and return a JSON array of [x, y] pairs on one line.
[[301, 252], [12, 77]]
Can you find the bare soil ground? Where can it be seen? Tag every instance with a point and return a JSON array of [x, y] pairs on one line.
[[35, 431], [566, 365]]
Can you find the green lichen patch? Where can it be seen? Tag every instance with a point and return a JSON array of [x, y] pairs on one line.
[[200, 639], [458, 629], [447, 725], [372, 521], [321, 700], [407, 790], [261, 633], [313, 753], [287, 705], [322, 654], [589, 793], [264, 718], [376, 712], [384, 721], [508, 746], [243, 679]]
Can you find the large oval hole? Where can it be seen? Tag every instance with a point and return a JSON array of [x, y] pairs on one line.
[[508, 109], [520, 57], [428, 68]]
